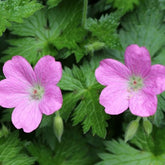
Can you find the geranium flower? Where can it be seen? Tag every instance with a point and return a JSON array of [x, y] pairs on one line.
[[31, 92], [134, 85]]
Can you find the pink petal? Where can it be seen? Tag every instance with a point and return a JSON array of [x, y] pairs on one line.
[[138, 60], [115, 98], [27, 116], [48, 70], [19, 69], [111, 71], [52, 100], [143, 104], [12, 92], [155, 81]]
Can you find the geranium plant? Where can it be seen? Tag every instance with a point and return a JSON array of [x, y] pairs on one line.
[[82, 82]]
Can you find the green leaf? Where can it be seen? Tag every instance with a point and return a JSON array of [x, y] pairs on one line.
[[70, 100], [144, 27], [4, 131], [11, 151], [126, 6], [15, 11], [144, 141], [162, 4], [158, 118], [159, 58], [105, 29], [71, 151], [121, 153], [146, 149], [153, 143], [49, 32], [53, 3], [27, 47], [45, 131], [83, 98]]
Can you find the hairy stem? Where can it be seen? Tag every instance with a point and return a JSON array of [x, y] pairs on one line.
[[85, 10]]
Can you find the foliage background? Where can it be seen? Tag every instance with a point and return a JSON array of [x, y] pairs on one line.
[[80, 33]]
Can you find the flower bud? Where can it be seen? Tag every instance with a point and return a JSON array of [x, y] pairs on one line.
[[147, 125], [58, 127], [95, 46], [131, 129], [4, 131]]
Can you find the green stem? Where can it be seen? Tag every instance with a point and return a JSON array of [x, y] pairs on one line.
[[85, 10], [57, 113], [138, 118]]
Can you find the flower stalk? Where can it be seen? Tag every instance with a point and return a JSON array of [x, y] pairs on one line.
[[85, 11]]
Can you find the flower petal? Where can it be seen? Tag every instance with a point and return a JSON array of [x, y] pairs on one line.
[[12, 92], [52, 100], [138, 60], [111, 71], [143, 104], [27, 116], [48, 70], [19, 69], [155, 81], [115, 98]]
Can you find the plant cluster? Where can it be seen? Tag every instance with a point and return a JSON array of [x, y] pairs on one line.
[[82, 82]]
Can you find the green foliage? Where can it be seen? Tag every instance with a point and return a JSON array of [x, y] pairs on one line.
[[56, 32], [144, 27], [11, 151], [15, 11], [63, 29], [126, 6], [151, 150], [104, 29], [158, 118], [45, 131], [162, 4], [120, 153], [153, 143], [53, 3], [71, 151], [83, 98], [4, 131]]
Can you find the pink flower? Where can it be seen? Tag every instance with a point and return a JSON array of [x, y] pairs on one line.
[[31, 92], [134, 85]]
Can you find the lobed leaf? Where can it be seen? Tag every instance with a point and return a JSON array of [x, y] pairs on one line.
[[121, 153], [15, 11], [144, 27], [124, 5], [53, 3], [105, 29], [49, 32], [83, 98], [158, 118], [72, 150], [11, 151]]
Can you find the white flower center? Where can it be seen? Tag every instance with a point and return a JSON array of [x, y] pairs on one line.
[[135, 83], [37, 92]]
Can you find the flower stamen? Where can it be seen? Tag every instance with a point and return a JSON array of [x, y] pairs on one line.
[[36, 93], [135, 83]]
